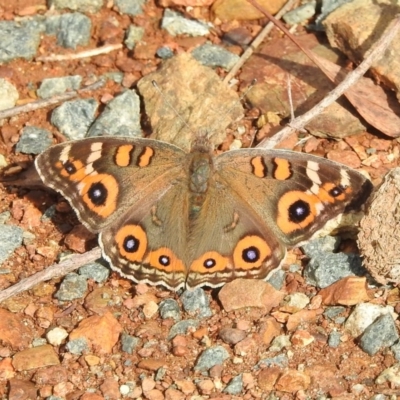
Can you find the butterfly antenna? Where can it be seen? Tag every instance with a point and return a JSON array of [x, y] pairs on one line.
[[242, 96], [169, 104]]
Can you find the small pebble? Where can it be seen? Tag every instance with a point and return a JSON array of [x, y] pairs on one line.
[[72, 287], [164, 52], [325, 268], [55, 86], [134, 34], [73, 30], [235, 386], [280, 342], [8, 94], [77, 346], [364, 315], [182, 327], [73, 118], [19, 40], [169, 308], [232, 335], [210, 357], [129, 343], [196, 303], [121, 117], [334, 339], [10, 239], [130, 7], [176, 24], [380, 334], [96, 271], [33, 140], [212, 55], [56, 336], [300, 14], [277, 279]]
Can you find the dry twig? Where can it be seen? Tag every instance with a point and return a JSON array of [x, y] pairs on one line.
[[83, 54], [370, 57], [54, 271], [42, 103], [257, 41]]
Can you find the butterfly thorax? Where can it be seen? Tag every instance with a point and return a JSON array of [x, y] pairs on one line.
[[200, 171]]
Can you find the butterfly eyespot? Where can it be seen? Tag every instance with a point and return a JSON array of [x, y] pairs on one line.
[[209, 263], [336, 191], [131, 244], [164, 260], [69, 167], [211, 260], [251, 254], [98, 194], [131, 241], [299, 211]]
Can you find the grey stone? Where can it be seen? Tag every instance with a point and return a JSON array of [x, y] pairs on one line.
[[181, 327], [235, 386], [169, 308], [334, 339], [129, 343], [115, 76], [333, 312], [73, 118], [54, 86], [212, 55], [10, 239], [380, 334], [300, 14], [121, 117], [327, 7], [210, 357], [326, 268], [134, 34], [160, 374], [49, 213], [396, 351], [8, 94], [316, 247], [176, 24], [164, 52], [72, 287], [195, 302], [74, 30], [5, 216], [277, 279], [19, 39], [34, 140], [130, 7], [95, 270], [77, 346], [280, 360], [37, 342], [90, 6], [279, 343]]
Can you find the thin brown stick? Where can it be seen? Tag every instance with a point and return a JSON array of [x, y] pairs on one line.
[[371, 56], [83, 54], [257, 41], [54, 271], [37, 104]]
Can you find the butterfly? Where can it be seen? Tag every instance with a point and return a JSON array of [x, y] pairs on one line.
[[191, 219]]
